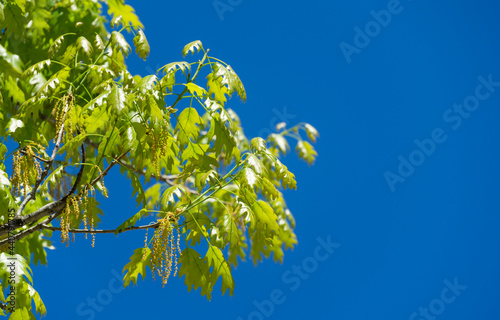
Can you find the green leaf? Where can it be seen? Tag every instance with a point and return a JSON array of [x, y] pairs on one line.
[[249, 178], [311, 131], [195, 151], [306, 151], [117, 8], [224, 140], [268, 189], [192, 47], [233, 236], [117, 99], [266, 219], [99, 43], [21, 267], [197, 223], [168, 81], [258, 144], [256, 164], [221, 268], [119, 42], [141, 44], [168, 195], [287, 178], [237, 84], [55, 46], [216, 89], [188, 125], [137, 266], [147, 84], [13, 90], [138, 191], [174, 66], [22, 314], [37, 68], [130, 222], [195, 89], [98, 119], [203, 177], [84, 46], [280, 142], [14, 19], [195, 271]]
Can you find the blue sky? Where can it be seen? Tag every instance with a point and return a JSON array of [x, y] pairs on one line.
[[405, 188]]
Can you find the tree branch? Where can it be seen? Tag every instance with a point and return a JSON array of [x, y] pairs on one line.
[[29, 231], [149, 226], [47, 209], [105, 172]]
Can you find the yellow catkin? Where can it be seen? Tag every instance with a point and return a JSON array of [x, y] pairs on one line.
[[145, 245], [16, 176], [92, 229], [87, 205], [63, 113], [25, 166], [65, 223], [165, 249], [159, 146], [85, 201]]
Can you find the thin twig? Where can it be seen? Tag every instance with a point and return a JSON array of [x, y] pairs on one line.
[[37, 157], [103, 231], [105, 172]]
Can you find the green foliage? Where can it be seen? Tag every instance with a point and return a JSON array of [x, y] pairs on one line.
[[75, 112]]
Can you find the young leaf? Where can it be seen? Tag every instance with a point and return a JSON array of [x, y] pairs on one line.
[[188, 125], [195, 89], [119, 42], [174, 66], [130, 222], [306, 151], [266, 219], [311, 131], [117, 99], [221, 268], [216, 89], [195, 271], [136, 266], [192, 47], [85, 46], [117, 8], [141, 44]]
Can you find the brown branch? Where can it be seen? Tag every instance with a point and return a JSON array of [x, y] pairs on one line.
[[30, 230], [155, 225], [105, 172], [34, 155], [44, 211]]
